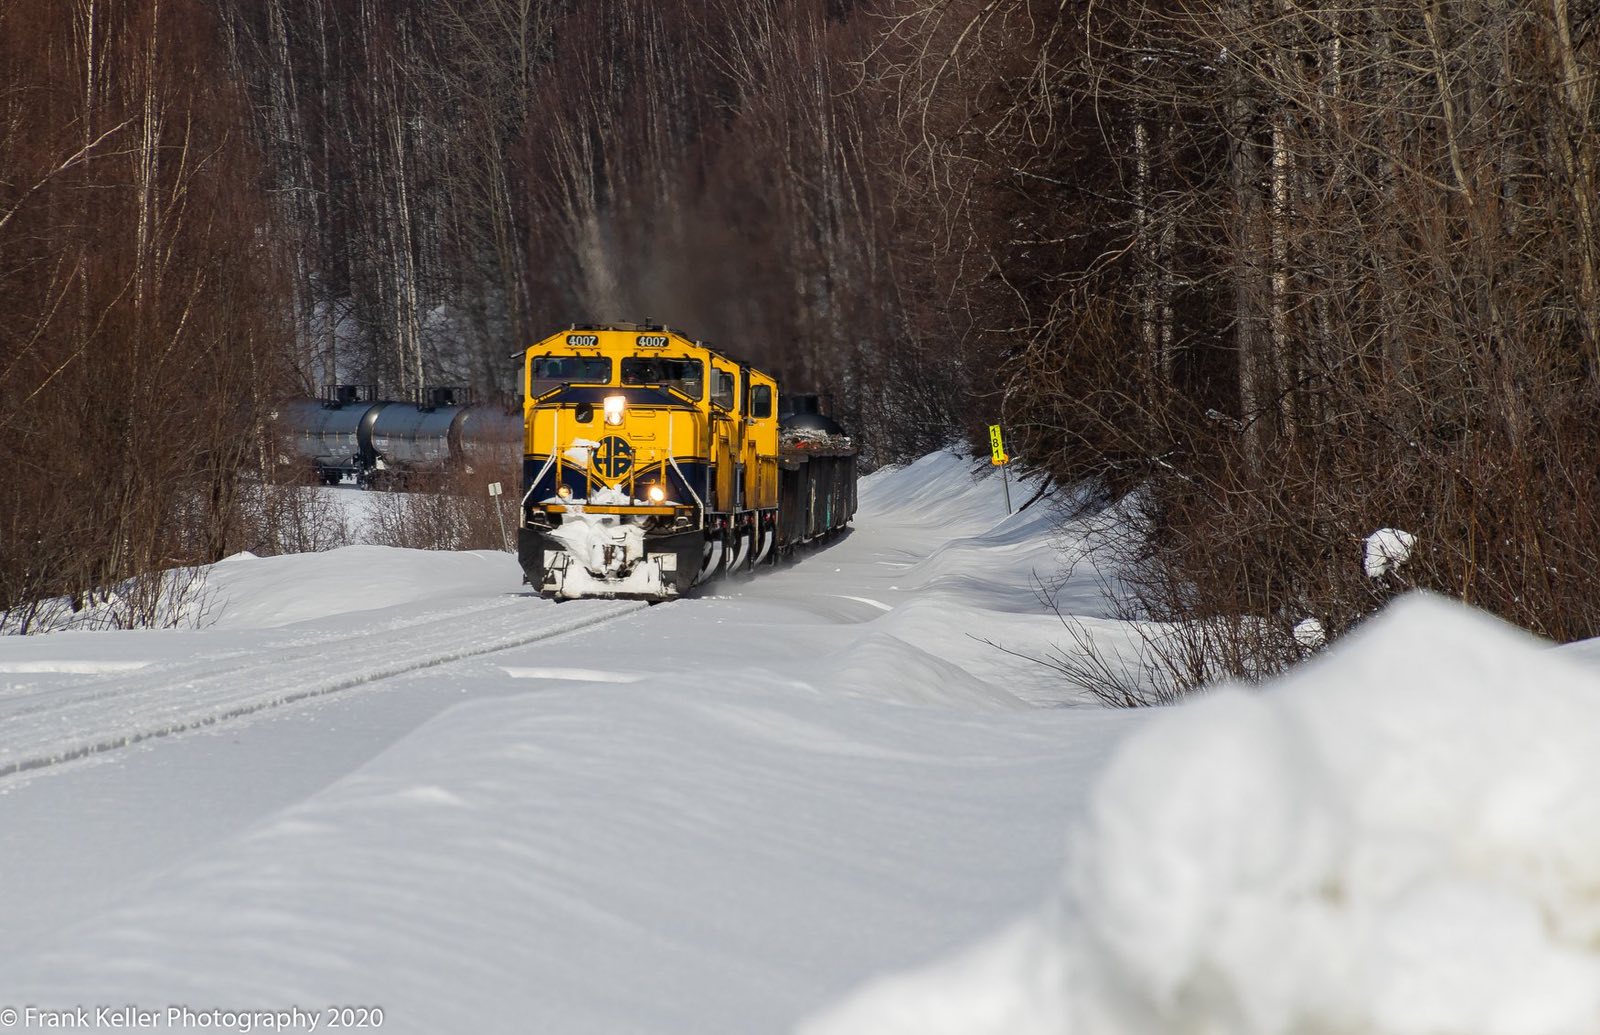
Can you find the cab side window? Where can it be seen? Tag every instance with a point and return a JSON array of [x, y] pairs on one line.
[[723, 395], [761, 402]]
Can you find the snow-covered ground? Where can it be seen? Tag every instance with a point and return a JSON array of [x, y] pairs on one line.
[[823, 798]]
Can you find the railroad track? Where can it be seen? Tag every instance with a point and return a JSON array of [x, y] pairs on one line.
[[62, 724]]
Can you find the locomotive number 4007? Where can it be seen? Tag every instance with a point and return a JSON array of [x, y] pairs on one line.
[[583, 341], [652, 341]]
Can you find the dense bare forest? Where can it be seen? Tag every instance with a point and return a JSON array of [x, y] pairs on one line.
[[1273, 274]]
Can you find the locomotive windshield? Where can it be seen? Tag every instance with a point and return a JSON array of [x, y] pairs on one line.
[[685, 375], [551, 372]]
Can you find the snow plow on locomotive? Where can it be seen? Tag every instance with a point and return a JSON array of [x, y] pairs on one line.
[[653, 462]]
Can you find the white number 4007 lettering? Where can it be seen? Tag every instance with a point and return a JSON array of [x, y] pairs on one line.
[[652, 341], [583, 340]]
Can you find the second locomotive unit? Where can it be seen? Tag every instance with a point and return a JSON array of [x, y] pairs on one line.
[[653, 461]]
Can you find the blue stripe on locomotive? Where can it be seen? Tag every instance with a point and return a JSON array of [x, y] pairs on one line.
[[687, 473]]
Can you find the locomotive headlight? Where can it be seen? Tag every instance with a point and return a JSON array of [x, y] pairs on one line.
[[656, 493], [615, 405]]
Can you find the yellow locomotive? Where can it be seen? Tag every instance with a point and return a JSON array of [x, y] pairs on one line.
[[653, 461]]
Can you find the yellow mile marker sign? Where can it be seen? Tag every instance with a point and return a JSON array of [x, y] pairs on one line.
[[997, 457], [997, 447]]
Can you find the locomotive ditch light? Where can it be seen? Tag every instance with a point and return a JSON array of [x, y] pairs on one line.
[[615, 405], [564, 491], [656, 493]]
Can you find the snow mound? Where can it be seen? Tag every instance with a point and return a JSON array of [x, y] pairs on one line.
[[1386, 550], [888, 668], [941, 487], [247, 592], [1401, 838]]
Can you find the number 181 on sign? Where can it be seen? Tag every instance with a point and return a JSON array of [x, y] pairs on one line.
[[997, 447]]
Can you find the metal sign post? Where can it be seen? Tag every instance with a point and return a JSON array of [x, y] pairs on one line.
[[997, 457], [494, 494]]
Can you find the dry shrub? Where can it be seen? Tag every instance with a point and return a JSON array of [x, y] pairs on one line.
[[298, 517], [168, 599], [1222, 561], [449, 512]]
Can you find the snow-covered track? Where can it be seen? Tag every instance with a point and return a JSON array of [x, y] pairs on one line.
[[15, 703], [68, 723]]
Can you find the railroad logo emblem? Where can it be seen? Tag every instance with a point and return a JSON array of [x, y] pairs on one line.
[[613, 458]]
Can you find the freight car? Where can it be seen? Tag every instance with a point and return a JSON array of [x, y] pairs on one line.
[[351, 433], [817, 471], [654, 462]]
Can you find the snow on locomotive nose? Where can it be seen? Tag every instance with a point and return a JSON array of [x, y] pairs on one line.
[[654, 462]]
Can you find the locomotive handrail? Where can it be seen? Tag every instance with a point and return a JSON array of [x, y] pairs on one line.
[[673, 460], [555, 421]]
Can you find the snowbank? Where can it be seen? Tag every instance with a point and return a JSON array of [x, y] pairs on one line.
[[1387, 550], [249, 592], [1402, 838]]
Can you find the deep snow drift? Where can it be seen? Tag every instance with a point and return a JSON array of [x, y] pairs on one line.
[[1403, 837], [392, 779]]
